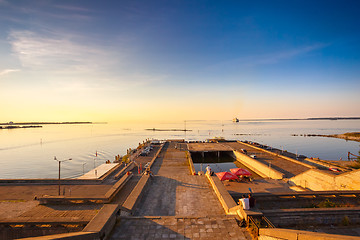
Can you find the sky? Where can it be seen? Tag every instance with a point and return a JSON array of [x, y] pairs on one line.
[[172, 60]]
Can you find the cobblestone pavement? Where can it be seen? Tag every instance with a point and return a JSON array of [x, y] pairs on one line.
[[217, 227], [178, 205]]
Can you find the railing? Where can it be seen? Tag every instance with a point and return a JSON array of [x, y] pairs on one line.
[[255, 223]]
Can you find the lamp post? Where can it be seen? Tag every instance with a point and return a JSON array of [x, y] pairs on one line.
[[59, 161]]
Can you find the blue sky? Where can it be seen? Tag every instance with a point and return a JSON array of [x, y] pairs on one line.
[[177, 60]]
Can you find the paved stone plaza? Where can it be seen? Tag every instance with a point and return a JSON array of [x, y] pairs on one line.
[[178, 205], [216, 227]]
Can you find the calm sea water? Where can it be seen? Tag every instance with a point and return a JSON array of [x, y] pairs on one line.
[[29, 153]]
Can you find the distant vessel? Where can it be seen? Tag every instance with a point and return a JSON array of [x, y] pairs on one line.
[[235, 120]]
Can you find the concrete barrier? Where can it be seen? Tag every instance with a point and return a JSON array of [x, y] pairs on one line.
[[258, 167], [104, 221], [191, 163], [290, 234], [129, 167], [322, 180], [135, 196], [223, 195], [110, 194]]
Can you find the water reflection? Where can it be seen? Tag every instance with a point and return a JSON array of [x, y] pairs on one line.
[[29, 153]]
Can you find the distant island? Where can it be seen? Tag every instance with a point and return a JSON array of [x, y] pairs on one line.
[[42, 123], [352, 136], [15, 125], [297, 119], [168, 130]]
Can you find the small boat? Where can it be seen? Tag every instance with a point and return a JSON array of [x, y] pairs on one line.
[[235, 120]]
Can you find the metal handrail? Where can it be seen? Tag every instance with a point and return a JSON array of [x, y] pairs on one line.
[[256, 224], [269, 224]]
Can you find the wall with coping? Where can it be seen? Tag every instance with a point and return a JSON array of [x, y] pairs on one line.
[[191, 163], [129, 167], [290, 234], [110, 194], [316, 216], [98, 228], [278, 155], [318, 180], [135, 196], [258, 167], [223, 195]]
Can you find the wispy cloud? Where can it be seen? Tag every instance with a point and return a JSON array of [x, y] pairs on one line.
[[53, 52], [277, 57], [74, 63], [8, 71], [268, 58], [73, 8]]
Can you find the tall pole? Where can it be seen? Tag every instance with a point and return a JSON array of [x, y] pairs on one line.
[[59, 176], [59, 161]]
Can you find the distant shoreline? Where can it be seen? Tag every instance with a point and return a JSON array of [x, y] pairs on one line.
[[298, 119], [351, 136], [15, 127], [42, 123], [168, 130]]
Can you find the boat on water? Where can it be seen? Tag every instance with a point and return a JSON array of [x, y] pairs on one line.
[[235, 120]]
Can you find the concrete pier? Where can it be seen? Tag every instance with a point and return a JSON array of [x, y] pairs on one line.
[[118, 202], [178, 205]]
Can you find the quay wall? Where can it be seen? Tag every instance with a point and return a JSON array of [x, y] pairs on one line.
[[283, 218], [258, 167], [290, 234], [191, 163], [318, 180], [135, 196], [223, 195], [278, 155]]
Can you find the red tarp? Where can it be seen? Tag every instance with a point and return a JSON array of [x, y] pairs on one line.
[[226, 176], [240, 172]]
